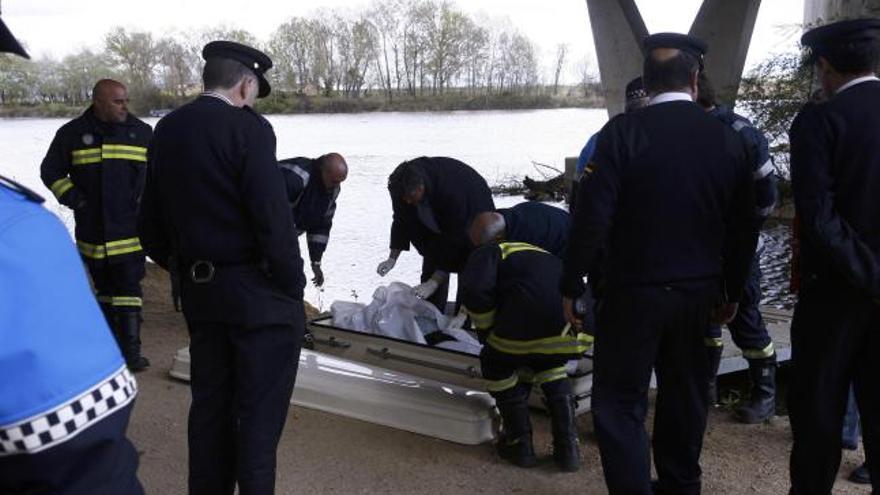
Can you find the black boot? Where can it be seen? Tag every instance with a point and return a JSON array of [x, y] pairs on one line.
[[714, 363], [861, 475], [762, 395], [515, 440], [566, 452], [129, 330]]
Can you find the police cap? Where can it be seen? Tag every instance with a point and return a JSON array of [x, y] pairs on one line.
[[690, 44], [253, 59], [8, 43], [823, 39]]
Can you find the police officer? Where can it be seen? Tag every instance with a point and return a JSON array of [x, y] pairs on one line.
[[747, 328], [434, 201], [511, 296], [312, 188], [835, 171], [669, 209], [215, 211], [96, 166]]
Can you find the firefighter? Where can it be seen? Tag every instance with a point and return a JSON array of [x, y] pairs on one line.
[[668, 212], [747, 328], [96, 166], [835, 172], [312, 188], [536, 223], [434, 200], [510, 293]]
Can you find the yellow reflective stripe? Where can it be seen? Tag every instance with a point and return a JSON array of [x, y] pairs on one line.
[[550, 345], [550, 375], [500, 385], [482, 320], [123, 246], [86, 156], [61, 186], [129, 301], [137, 150], [87, 160], [713, 342], [124, 156], [124, 152], [93, 251], [508, 248], [759, 353]]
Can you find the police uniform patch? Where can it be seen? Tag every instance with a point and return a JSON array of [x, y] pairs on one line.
[[88, 139]]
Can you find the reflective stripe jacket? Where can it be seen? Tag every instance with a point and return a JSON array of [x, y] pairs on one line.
[[454, 194], [538, 224], [54, 342], [511, 290], [104, 165], [313, 206]]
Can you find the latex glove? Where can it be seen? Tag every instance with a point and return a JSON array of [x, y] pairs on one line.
[[318, 279], [425, 289], [724, 314], [386, 266], [458, 320]]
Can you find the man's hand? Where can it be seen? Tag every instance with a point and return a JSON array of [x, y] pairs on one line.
[[570, 315], [724, 314], [318, 279], [425, 289], [386, 266]]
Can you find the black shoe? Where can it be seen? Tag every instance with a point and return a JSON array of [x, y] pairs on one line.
[[860, 475], [762, 396], [566, 452], [515, 441]]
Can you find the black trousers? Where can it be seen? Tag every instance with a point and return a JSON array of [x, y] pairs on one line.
[[98, 460], [640, 329], [118, 282], [747, 328], [835, 340], [242, 381]]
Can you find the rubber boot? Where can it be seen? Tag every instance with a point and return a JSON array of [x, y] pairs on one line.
[[561, 405], [714, 364], [762, 396], [129, 328], [515, 441]]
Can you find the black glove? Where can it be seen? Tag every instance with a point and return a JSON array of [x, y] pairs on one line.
[[318, 279]]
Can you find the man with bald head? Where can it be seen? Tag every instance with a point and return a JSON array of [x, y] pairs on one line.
[[531, 222], [312, 188], [96, 166]]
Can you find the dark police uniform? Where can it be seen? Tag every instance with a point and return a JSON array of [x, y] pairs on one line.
[[835, 170], [98, 169], [670, 203], [747, 328], [215, 210], [454, 194], [510, 292], [66, 394], [313, 206], [538, 224]]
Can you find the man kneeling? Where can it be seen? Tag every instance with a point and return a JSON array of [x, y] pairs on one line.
[[509, 290]]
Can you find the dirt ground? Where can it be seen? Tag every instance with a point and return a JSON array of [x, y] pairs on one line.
[[325, 453]]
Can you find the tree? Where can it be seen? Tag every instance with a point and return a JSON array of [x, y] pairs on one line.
[[561, 52], [80, 71], [137, 53], [178, 64]]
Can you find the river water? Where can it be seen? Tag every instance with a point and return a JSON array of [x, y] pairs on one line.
[[499, 144]]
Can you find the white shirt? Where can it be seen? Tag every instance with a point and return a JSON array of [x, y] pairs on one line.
[[855, 81], [670, 96], [218, 96]]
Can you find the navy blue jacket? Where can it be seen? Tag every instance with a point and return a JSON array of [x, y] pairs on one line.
[[835, 172], [313, 206], [763, 172], [670, 199], [214, 193], [538, 224], [454, 194]]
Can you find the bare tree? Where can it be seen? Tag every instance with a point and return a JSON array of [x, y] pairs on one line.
[[561, 52]]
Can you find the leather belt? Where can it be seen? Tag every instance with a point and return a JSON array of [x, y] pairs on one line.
[[202, 271]]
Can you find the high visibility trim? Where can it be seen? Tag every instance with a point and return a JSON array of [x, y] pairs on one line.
[[112, 248], [713, 342], [482, 320], [122, 301], [501, 385], [61, 186], [124, 156], [93, 251], [124, 148], [508, 248], [550, 375], [318, 238], [765, 170], [109, 152], [563, 344], [759, 353]]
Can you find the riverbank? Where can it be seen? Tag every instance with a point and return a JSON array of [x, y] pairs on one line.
[[325, 453]]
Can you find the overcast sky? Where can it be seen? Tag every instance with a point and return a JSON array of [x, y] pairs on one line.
[[58, 27]]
